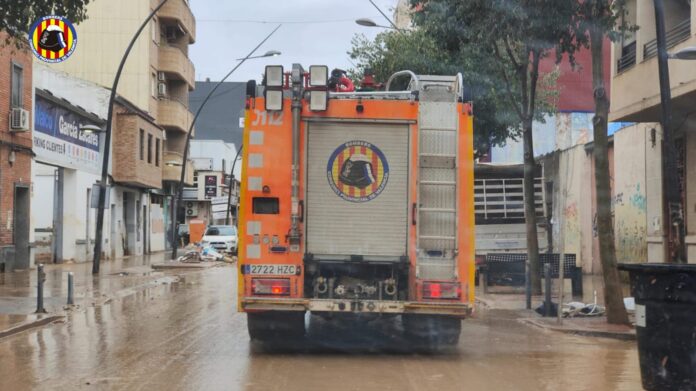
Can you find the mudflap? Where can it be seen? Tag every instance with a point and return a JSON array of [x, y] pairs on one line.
[[432, 332], [271, 326]]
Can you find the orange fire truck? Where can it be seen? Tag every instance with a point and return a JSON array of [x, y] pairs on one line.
[[356, 202]]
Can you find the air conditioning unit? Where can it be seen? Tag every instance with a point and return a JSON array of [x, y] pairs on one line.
[[191, 209], [19, 120], [161, 77], [162, 90]]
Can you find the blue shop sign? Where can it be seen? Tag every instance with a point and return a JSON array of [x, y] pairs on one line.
[[63, 124]]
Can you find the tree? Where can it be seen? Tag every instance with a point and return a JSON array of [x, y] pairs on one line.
[[595, 20], [17, 16], [513, 36], [392, 51]]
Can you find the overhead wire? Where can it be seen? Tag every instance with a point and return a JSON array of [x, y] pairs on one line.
[[261, 21]]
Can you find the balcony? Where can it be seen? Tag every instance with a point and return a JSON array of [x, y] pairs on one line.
[[179, 11], [174, 62], [173, 172], [679, 33], [173, 115]]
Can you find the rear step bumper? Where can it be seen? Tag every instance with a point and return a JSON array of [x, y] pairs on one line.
[[363, 306]]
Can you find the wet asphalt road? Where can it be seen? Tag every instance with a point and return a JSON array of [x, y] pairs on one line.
[[187, 335]]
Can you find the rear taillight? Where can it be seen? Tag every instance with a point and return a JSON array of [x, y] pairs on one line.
[[270, 286], [441, 290]]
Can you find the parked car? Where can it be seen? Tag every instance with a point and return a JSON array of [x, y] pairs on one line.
[[221, 237]]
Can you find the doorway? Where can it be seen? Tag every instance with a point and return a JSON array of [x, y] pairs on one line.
[[21, 226]]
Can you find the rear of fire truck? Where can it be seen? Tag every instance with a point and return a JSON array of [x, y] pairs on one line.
[[358, 203]]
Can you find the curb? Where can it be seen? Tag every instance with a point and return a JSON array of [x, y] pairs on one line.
[[30, 325], [629, 336]]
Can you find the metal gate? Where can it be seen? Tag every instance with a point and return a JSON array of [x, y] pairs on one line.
[[357, 189]]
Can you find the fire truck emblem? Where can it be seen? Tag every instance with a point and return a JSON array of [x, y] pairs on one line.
[[357, 171], [52, 39]]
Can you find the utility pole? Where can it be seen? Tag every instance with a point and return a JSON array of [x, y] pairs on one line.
[[103, 185], [229, 191], [672, 194]]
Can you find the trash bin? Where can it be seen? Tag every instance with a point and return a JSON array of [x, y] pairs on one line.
[[665, 296]]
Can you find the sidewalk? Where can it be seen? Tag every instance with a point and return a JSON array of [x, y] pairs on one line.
[[585, 326], [117, 278]]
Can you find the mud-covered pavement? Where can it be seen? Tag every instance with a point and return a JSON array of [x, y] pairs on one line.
[[187, 335]]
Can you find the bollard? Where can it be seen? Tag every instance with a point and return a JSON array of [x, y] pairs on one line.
[[547, 290], [528, 286], [39, 290], [71, 290]]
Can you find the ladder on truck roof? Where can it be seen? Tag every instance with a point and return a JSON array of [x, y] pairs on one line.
[[438, 166]]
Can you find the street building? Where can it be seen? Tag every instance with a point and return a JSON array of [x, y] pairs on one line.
[[223, 117], [156, 80], [68, 163], [636, 98], [16, 103], [207, 199]]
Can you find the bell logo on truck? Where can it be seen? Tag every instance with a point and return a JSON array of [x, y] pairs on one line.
[[357, 171]]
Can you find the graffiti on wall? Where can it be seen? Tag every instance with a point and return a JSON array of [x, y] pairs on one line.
[[631, 224], [631, 243], [571, 218]]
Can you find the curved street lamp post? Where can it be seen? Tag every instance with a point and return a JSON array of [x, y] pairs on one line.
[[103, 187]]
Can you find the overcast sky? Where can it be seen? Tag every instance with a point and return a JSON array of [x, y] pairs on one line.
[[312, 32]]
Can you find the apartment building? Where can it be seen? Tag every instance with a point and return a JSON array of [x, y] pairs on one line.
[[207, 199], [636, 98], [156, 79], [15, 156]]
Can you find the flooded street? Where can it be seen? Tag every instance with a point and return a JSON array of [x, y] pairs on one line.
[[187, 335]]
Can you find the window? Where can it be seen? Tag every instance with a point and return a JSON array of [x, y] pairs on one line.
[[265, 205], [154, 30], [142, 144], [221, 230], [149, 148], [17, 84], [153, 85], [157, 152]]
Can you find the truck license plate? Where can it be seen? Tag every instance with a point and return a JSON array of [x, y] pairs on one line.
[[272, 269]]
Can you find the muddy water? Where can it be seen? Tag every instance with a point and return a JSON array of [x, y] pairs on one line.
[[187, 335]]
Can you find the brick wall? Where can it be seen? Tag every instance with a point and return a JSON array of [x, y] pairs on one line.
[[20, 170], [127, 165]]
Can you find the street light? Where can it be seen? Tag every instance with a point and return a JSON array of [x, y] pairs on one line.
[[173, 163], [367, 22], [270, 53], [92, 129], [684, 54], [179, 190], [107, 141]]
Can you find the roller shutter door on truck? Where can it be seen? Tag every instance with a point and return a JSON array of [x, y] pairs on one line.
[[357, 181]]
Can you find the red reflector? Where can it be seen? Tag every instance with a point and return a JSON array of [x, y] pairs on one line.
[[441, 290], [435, 290], [270, 286]]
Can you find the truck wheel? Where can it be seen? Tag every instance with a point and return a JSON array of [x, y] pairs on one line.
[[270, 326], [432, 332]]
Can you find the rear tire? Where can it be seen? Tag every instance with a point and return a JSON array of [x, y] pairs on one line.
[[276, 325], [432, 332]]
